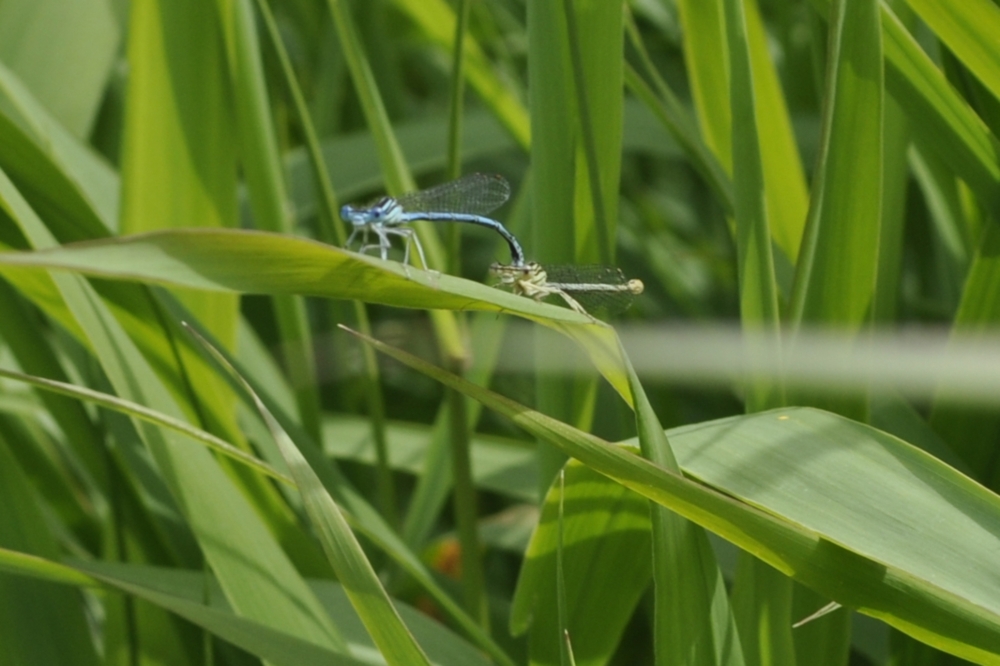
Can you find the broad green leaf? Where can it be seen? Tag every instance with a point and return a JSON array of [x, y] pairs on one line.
[[604, 526], [833, 503], [39, 39]]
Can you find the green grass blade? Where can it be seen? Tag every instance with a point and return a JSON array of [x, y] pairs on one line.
[[397, 173], [36, 355], [179, 155], [353, 570], [674, 116], [37, 36], [437, 20], [784, 178], [940, 118], [836, 276], [365, 518], [693, 620], [233, 538], [969, 28], [705, 48], [144, 413], [61, 176], [262, 168], [755, 262], [597, 87], [836, 279], [40, 623], [814, 513], [330, 229], [227, 260], [553, 178]]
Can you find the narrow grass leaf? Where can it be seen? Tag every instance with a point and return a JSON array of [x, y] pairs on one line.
[[940, 118], [233, 538], [755, 261], [597, 74], [179, 150], [37, 355], [60, 175], [353, 569], [361, 515], [144, 413], [262, 166], [784, 177], [969, 28], [693, 621], [708, 57], [40, 623], [437, 20], [707, 62], [835, 282]]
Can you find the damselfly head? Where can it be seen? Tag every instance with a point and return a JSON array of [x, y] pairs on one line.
[[381, 211]]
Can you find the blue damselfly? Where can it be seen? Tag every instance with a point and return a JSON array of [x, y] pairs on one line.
[[467, 200]]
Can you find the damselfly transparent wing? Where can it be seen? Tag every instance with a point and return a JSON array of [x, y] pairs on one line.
[[477, 194], [594, 286]]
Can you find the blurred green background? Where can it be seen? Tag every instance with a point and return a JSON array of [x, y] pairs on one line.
[[807, 189]]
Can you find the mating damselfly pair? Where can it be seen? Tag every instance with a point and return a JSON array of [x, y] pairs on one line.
[[468, 200]]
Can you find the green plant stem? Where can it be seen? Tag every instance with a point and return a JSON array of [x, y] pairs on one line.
[[466, 513], [454, 168]]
